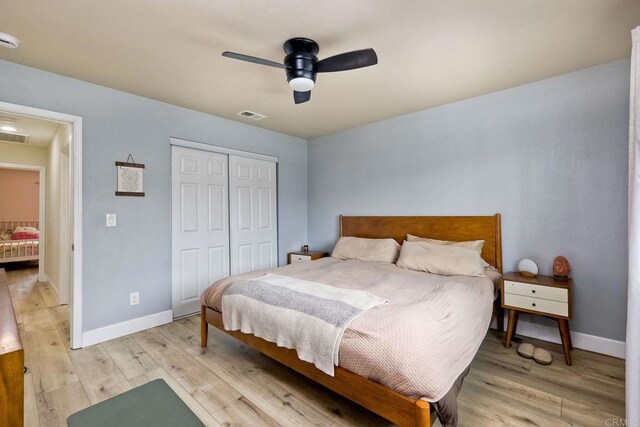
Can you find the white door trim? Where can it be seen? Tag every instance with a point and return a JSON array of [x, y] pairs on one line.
[[42, 187], [221, 150], [76, 157]]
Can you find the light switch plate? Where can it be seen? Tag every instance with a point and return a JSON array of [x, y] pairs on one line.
[[111, 220]]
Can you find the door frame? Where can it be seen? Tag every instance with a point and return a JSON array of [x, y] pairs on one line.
[[75, 157], [42, 188], [220, 150]]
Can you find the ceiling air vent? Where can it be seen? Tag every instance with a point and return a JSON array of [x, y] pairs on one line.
[[14, 137], [251, 115]]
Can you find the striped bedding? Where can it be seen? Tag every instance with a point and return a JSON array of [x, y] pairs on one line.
[[306, 316]]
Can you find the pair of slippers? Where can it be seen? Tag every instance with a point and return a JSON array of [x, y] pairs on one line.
[[539, 355]]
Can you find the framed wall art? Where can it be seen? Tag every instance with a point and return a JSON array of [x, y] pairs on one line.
[[130, 178]]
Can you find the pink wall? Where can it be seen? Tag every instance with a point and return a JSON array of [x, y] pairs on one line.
[[19, 194]]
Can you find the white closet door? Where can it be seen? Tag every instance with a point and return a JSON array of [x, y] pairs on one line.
[[252, 214], [200, 224]]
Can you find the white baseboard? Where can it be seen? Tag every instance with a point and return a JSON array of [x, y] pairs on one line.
[[110, 332], [53, 286], [55, 290], [546, 333], [579, 340]]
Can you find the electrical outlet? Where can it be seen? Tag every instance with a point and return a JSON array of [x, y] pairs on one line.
[[134, 298], [111, 220]]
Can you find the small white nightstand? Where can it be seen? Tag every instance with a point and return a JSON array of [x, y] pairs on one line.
[[541, 295], [306, 256]]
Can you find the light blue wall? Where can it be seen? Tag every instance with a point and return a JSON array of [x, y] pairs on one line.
[[136, 255], [551, 156]]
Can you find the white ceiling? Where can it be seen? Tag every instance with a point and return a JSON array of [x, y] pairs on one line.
[[40, 131], [431, 52]]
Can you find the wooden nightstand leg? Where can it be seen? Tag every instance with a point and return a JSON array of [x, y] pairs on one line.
[[500, 317], [513, 320], [569, 334], [565, 334]]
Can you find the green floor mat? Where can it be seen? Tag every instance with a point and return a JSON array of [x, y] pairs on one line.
[[151, 404]]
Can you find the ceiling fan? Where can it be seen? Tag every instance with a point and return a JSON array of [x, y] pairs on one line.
[[302, 65]]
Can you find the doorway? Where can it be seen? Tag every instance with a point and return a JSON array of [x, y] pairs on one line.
[[22, 214], [59, 160]]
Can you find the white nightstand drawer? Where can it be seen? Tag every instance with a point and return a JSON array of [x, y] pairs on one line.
[[537, 304], [298, 258], [536, 291]]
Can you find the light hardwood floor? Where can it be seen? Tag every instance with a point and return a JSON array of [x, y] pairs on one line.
[[229, 384]]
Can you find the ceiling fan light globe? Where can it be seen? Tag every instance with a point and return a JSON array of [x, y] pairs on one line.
[[9, 41], [301, 84]]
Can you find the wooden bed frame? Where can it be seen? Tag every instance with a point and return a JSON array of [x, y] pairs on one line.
[[389, 404]]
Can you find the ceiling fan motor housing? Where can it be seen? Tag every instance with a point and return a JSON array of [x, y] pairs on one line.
[[301, 58], [301, 64]]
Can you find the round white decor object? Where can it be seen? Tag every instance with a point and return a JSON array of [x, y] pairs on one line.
[[528, 266]]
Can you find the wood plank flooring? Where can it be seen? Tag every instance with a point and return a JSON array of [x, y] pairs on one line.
[[229, 384]]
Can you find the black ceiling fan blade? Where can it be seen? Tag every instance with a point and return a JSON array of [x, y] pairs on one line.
[[348, 61], [253, 59], [300, 97]]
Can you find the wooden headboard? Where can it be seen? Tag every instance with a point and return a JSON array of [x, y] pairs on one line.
[[453, 228]]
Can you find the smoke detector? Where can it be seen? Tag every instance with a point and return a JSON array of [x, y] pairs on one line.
[[251, 115], [8, 124], [7, 40]]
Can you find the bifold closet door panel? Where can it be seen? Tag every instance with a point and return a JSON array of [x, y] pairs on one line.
[[200, 224], [252, 214]]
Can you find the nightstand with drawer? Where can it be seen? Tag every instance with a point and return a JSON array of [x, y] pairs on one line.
[[306, 256], [541, 295]]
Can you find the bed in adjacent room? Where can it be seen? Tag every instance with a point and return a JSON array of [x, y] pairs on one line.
[[19, 240], [407, 356]]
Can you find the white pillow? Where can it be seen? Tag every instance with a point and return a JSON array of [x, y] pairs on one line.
[[471, 244], [446, 260], [381, 250], [26, 230]]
